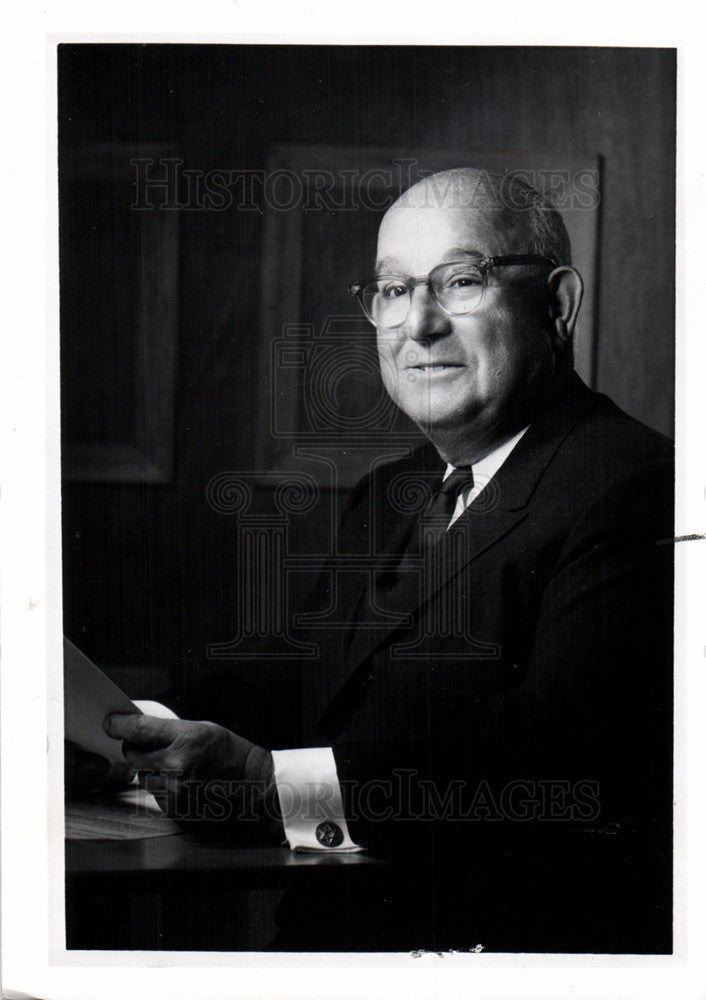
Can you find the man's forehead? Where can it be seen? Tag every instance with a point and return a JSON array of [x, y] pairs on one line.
[[427, 233]]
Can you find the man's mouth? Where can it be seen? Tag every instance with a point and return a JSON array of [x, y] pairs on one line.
[[434, 366]]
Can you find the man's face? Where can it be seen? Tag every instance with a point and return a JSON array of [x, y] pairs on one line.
[[446, 371]]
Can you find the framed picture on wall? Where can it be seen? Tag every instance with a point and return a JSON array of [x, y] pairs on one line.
[[119, 303]]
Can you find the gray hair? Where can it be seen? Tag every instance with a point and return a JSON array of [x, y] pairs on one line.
[[547, 231]]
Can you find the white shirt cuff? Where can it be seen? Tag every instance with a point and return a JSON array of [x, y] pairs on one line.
[[310, 800]]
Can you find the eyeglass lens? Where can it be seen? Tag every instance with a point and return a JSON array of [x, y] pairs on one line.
[[457, 288]]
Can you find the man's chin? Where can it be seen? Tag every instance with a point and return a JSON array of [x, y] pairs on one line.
[[436, 408], [444, 421]]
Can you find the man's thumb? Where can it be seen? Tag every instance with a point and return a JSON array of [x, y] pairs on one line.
[[108, 723], [120, 725], [143, 730]]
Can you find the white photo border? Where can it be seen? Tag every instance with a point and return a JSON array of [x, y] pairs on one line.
[[32, 810]]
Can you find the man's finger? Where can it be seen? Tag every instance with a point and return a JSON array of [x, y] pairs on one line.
[[143, 730], [139, 760]]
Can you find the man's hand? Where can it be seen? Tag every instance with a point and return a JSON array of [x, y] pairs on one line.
[[196, 770]]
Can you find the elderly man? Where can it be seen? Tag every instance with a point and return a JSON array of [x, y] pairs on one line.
[[494, 714]]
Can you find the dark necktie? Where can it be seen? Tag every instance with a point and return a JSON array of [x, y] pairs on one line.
[[442, 505], [425, 532]]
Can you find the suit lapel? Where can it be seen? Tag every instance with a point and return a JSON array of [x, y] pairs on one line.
[[501, 506]]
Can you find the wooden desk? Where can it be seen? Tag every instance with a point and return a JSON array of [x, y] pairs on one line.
[[181, 892]]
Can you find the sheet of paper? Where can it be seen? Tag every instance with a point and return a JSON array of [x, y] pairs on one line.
[[88, 697]]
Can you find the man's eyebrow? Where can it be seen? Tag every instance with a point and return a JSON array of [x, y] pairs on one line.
[[456, 252], [390, 265]]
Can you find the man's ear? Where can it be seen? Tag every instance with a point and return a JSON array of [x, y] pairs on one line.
[[565, 293]]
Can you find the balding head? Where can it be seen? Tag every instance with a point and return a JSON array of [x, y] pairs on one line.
[[517, 217]]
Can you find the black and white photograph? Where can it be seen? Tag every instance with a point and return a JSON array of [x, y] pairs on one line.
[[366, 382], [364, 464]]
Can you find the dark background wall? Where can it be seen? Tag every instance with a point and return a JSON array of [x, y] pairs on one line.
[[150, 569]]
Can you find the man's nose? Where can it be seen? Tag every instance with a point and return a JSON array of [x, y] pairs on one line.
[[425, 318]]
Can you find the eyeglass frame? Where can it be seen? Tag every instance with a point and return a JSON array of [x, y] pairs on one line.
[[484, 264]]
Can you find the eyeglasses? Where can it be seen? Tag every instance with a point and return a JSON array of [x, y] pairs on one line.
[[456, 286]]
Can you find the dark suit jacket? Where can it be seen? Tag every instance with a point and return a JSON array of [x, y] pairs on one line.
[[500, 707]]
